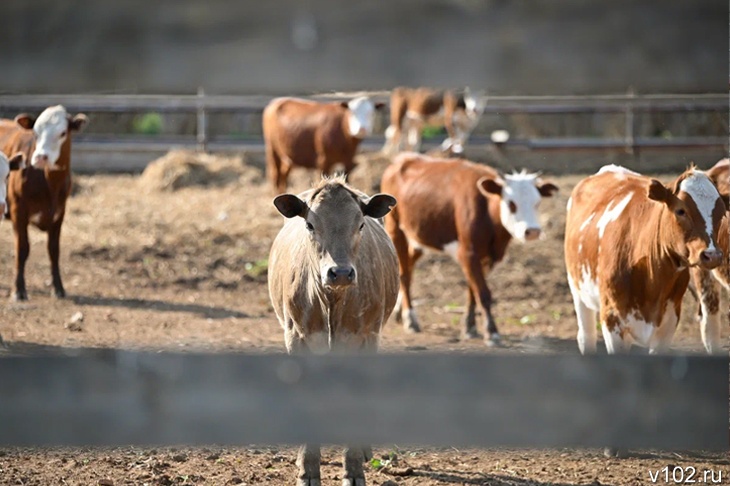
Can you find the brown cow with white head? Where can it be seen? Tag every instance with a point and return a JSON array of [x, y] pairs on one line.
[[314, 135], [413, 108], [708, 282], [629, 243], [333, 282], [466, 210], [37, 194]]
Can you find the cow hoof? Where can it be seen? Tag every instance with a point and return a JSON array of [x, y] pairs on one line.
[[469, 334], [19, 296], [353, 482], [614, 452], [367, 452], [59, 294], [494, 340], [412, 328], [309, 482]]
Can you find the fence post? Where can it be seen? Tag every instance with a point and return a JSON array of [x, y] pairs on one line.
[[629, 133], [202, 125]]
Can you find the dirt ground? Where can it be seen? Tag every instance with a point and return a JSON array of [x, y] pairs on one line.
[[150, 266]]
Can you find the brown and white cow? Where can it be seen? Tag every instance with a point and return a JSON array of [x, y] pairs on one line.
[[314, 135], [413, 108], [333, 282], [466, 210], [629, 243], [37, 194], [708, 282]]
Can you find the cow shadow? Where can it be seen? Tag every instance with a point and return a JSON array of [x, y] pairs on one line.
[[451, 476], [24, 348], [209, 312]]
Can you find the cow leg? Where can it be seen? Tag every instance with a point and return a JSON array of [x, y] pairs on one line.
[[662, 338], [54, 243], [709, 298], [352, 461], [469, 323], [403, 309], [284, 170], [392, 140], [414, 136], [587, 333], [615, 344], [474, 272], [273, 166], [22, 250], [308, 461]]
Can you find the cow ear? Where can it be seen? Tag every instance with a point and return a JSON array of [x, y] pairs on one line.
[[547, 189], [17, 161], [290, 205], [378, 206], [658, 191], [25, 120], [78, 122], [379, 105], [489, 186]]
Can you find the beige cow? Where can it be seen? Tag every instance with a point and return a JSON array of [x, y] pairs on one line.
[[333, 282]]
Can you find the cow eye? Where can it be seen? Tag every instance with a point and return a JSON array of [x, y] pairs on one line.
[[63, 135], [512, 207], [680, 212], [362, 225], [309, 226]]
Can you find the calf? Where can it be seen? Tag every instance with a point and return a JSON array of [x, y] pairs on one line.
[[313, 135], [708, 282], [466, 210], [333, 282], [37, 194], [412, 109], [629, 244]]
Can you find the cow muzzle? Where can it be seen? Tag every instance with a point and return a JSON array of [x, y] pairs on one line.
[[40, 161], [710, 259], [532, 234], [340, 276]]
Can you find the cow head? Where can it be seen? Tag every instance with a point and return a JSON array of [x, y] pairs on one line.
[[16, 162], [334, 218], [52, 128], [693, 221], [465, 121], [361, 115], [475, 102], [520, 196]]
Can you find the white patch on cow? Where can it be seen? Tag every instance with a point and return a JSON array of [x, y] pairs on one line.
[[4, 172], [663, 335], [704, 193], [612, 213], [588, 290], [615, 343], [580, 247], [361, 116], [521, 189], [616, 169], [570, 203], [475, 104], [641, 331], [586, 222], [452, 249], [51, 130]]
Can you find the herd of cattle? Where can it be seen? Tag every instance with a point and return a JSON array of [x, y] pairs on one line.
[[343, 261]]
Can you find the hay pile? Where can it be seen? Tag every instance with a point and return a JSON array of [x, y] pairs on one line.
[[369, 171], [183, 168]]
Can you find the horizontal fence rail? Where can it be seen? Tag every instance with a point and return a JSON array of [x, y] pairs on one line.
[[119, 397], [202, 105]]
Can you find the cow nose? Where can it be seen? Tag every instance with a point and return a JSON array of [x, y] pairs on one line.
[[40, 160], [340, 276], [532, 234], [710, 258]]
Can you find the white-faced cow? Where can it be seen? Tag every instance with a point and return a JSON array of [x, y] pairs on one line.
[[314, 135], [466, 210], [708, 282], [629, 243], [412, 109], [37, 194], [333, 282]]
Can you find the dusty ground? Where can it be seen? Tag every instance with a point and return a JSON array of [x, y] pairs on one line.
[[152, 268]]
